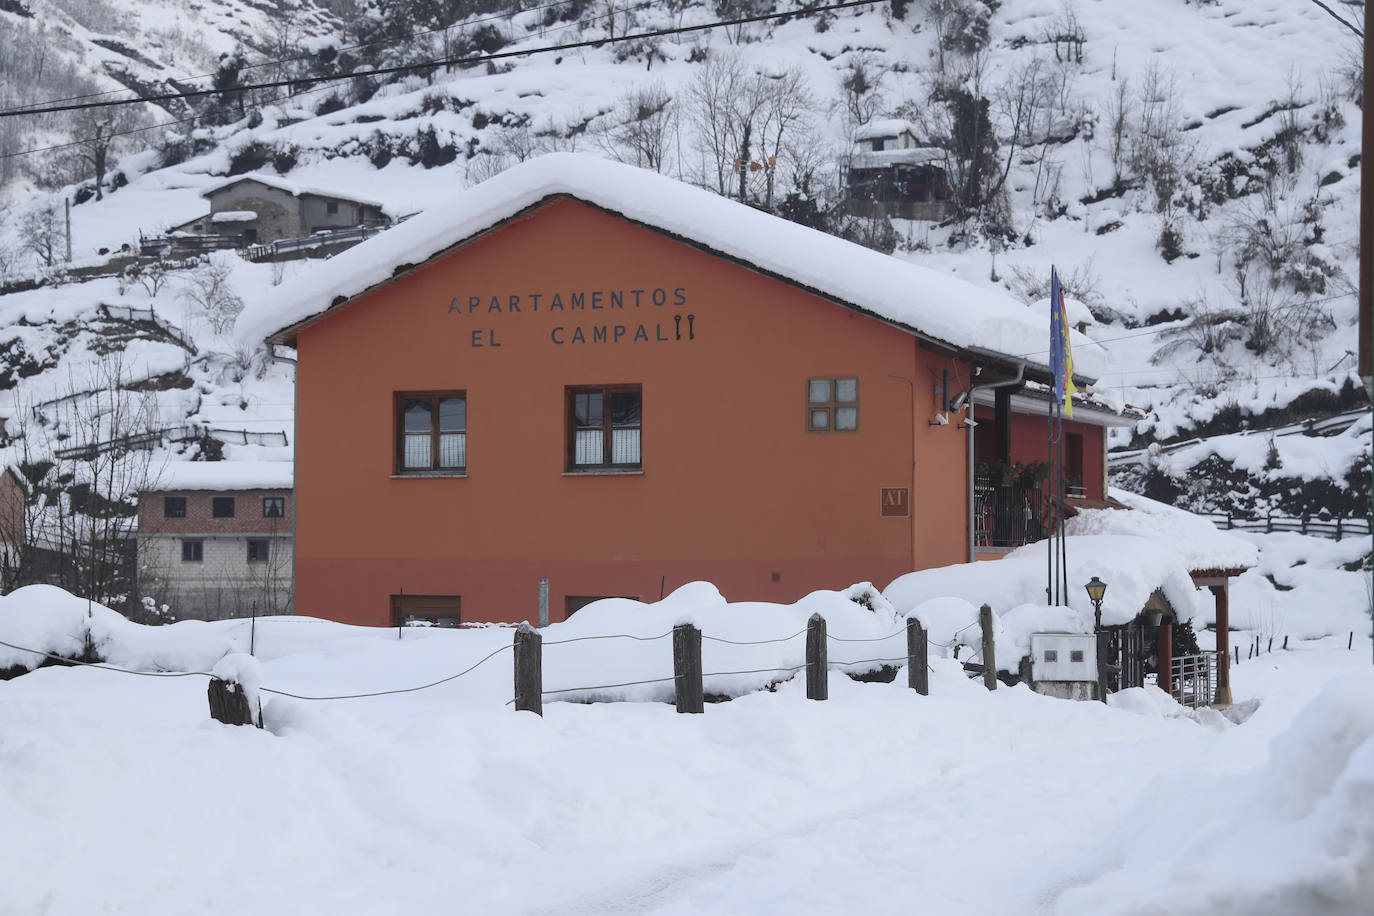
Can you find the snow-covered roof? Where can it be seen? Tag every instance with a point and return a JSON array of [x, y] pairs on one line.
[[1201, 544], [884, 127], [1132, 566], [883, 158], [290, 187], [223, 475], [234, 216], [926, 302]]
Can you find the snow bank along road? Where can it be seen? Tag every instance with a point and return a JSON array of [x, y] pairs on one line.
[[118, 794]]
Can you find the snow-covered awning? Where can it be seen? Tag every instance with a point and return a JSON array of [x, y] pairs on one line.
[[1132, 566], [940, 308], [1203, 547], [234, 216]]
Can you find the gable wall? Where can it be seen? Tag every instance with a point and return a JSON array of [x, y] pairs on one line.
[[734, 489]]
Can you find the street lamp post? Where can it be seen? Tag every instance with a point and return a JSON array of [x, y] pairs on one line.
[[1096, 589]]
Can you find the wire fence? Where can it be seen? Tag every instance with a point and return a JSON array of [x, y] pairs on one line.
[[686, 669], [784, 670]]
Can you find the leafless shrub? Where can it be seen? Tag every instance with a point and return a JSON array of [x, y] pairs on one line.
[[209, 290], [1081, 283]]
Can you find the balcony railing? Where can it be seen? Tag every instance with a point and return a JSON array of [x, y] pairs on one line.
[[1007, 517]]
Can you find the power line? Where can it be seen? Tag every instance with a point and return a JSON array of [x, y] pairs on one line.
[[1332, 13], [445, 62], [404, 39]]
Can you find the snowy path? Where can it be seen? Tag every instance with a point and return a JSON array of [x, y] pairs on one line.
[[1041, 825]]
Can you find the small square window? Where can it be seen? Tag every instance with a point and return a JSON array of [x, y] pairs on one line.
[[274, 507], [192, 551], [331, 207], [259, 550], [222, 506], [1076, 655], [174, 507], [1051, 656], [832, 404]]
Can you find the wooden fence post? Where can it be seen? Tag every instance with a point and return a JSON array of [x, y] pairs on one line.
[[817, 667], [229, 703], [989, 653], [529, 674], [687, 668], [917, 657]]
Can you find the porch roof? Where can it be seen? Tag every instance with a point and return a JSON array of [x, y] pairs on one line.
[[1209, 552]]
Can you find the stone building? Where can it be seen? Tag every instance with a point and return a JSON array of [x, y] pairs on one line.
[[215, 539], [261, 209]]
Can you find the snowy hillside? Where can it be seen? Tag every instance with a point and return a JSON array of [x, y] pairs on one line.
[[1190, 167]]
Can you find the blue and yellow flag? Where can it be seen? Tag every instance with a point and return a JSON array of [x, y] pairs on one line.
[[1061, 355]]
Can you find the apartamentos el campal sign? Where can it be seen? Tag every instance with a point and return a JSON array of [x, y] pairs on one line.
[[629, 316]]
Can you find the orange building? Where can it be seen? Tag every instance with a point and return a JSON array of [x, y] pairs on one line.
[[592, 374]]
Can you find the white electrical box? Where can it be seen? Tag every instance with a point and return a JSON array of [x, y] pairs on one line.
[[1063, 657]]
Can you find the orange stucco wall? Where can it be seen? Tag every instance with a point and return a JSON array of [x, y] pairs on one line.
[[734, 489]]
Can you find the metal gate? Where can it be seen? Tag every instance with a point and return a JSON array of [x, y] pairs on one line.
[[1132, 658], [1194, 679]]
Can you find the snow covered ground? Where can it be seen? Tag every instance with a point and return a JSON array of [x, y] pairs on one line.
[[120, 795]]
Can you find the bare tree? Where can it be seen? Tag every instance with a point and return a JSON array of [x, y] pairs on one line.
[[96, 131], [643, 127], [715, 92], [786, 111], [43, 232], [744, 121], [88, 455]]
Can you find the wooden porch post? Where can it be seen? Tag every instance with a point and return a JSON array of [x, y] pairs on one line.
[[1164, 651], [1223, 697]]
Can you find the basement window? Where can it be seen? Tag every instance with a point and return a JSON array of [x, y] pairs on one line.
[[426, 610], [192, 551], [832, 405], [259, 550], [431, 433]]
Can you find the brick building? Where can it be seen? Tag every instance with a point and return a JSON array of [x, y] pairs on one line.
[[215, 539], [593, 374]]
